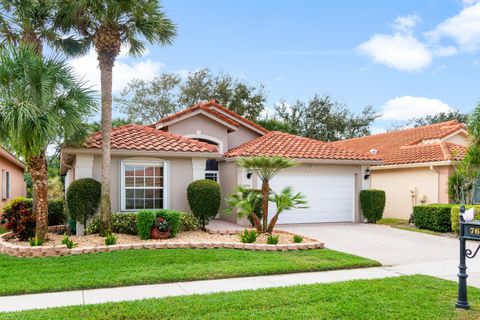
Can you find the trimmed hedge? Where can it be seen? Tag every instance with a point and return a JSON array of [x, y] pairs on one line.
[[125, 223], [372, 202], [204, 198], [435, 217], [83, 199], [145, 219], [56, 212], [455, 212]]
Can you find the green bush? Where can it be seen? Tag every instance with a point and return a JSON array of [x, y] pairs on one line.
[[122, 222], [297, 238], [248, 236], [204, 199], [188, 222], [110, 240], [372, 203], [56, 212], [145, 220], [68, 242], [173, 218], [83, 198], [272, 239], [455, 213], [18, 218], [435, 217], [257, 209]]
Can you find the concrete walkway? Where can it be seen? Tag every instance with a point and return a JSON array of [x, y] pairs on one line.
[[95, 296]]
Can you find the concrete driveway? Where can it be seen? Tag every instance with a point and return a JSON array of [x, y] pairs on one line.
[[387, 245]]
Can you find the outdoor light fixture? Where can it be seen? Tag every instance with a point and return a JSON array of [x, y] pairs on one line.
[[249, 175], [367, 174]]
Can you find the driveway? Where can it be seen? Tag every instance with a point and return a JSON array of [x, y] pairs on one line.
[[387, 245]]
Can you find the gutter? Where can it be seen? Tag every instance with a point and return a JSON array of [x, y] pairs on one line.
[[324, 161], [176, 154], [413, 165]]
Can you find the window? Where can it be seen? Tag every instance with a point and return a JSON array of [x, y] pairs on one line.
[[5, 185], [143, 185], [211, 170]]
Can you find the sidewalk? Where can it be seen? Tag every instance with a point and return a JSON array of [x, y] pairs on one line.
[[94, 296]]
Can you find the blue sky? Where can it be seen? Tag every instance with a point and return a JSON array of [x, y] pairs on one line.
[[405, 57]]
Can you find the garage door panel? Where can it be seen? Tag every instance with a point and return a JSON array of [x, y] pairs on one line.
[[330, 197]]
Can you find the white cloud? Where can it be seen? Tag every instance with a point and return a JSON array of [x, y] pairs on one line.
[[407, 107], [405, 24], [399, 51], [124, 70], [463, 28]]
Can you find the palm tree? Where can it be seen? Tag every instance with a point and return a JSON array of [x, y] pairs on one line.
[[265, 168], [107, 26], [285, 200], [40, 100], [245, 201], [31, 22]]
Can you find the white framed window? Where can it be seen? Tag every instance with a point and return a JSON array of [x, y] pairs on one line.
[[211, 170], [143, 185], [5, 185]]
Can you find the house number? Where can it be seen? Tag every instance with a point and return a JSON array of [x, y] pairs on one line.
[[474, 230]]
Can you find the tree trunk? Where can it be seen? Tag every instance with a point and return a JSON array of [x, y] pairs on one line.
[[106, 62], [256, 222], [37, 167], [272, 223], [265, 192]]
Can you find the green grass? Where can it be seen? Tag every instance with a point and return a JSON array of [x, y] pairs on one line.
[[403, 225], [122, 268], [408, 297], [2, 230]]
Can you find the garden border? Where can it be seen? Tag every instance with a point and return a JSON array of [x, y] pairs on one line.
[[62, 250]]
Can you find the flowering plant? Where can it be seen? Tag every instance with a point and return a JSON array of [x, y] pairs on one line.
[[161, 224]]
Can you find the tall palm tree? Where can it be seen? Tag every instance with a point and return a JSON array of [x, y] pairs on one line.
[[40, 100], [31, 22], [107, 26], [265, 168]]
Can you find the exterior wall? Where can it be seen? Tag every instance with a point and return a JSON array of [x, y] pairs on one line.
[[428, 185], [240, 136], [18, 186], [458, 139], [180, 175], [228, 183], [202, 124]]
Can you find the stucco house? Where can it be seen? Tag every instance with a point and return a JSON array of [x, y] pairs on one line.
[[12, 183], [152, 165], [417, 163]]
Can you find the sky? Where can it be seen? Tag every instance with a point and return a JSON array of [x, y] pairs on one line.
[[406, 58]]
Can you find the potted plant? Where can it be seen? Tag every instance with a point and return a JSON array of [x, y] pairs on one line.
[[160, 229]]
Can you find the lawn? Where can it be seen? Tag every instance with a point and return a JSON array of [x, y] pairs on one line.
[[408, 297], [403, 225], [122, 268], [2, 230]]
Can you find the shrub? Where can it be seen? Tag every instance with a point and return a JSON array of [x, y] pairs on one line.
[[35, 242], [56, 212], [272, 239], [204, 199], [110, 240], [69, 243], [125, 223], [435, 217], [372, 203], [297, 238], [257, 208], [188, 222], [83, 198], [455, 213], [173, 219], [248, 236], [18, 218], [145, 220]]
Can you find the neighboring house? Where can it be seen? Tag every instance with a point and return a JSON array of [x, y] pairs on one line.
[[152, 166], [417, 163], [12, 183]]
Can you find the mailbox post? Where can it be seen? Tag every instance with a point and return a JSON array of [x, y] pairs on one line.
[[468, 231]]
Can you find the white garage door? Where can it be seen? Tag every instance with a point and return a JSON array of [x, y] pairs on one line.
[[330, 197]]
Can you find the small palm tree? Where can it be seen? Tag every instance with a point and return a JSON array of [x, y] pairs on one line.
[[265, 168], [285, 200], [31, 22], [245, 202], [40, 100], [107, 25]]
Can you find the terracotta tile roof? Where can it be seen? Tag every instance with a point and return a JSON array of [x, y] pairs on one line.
[[138, 137], [414, 145], [199, 106], [276, 143]]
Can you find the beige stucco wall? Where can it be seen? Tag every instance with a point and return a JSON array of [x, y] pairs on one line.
[[427, 182], [180, 175], [17, 184], [228, 183], [241, 135], [458, 138]]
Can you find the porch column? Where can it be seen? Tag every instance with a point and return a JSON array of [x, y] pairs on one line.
[[83, 169]]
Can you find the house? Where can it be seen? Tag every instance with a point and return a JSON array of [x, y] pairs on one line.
[[151, 166], [417, 163], [12, 183]]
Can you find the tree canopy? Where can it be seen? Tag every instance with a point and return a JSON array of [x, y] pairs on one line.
[[431, 119]]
